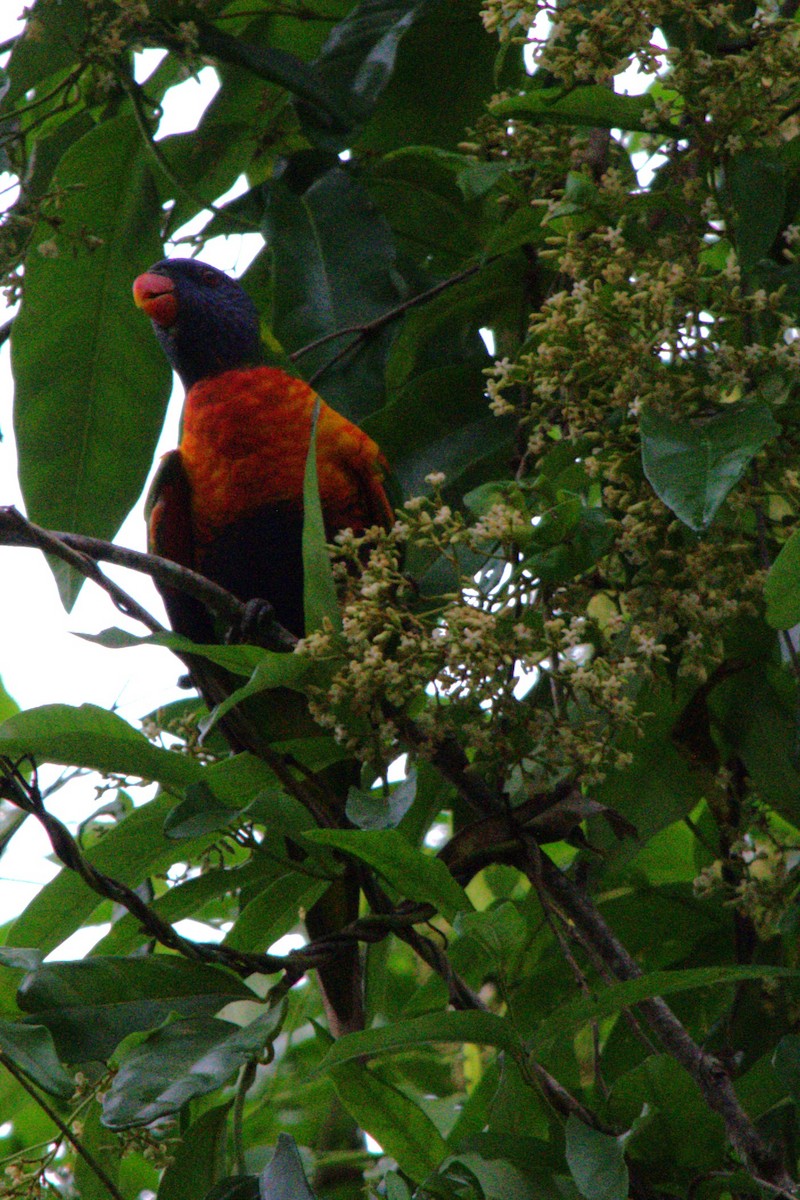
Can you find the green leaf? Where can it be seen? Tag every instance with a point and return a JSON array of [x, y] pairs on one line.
[[693, 467], [320, 601], [786, 1061], [275, 66], [273, 911], [416, 189], [782, 587], [594, 105], [483, 1029], [105, 1149], [585, 542], [379, 809], [414, 874], [358, 58], [31, 1049], [666, 1117], [596, 1162], [403, 1130], [95, 738], [51, 42], [333, 261], [91, 380], [284, 1178], [89, 1006], [179, 1062], [758, 187], [198, 1162], [443, 77], [8, 705], [568, 1019]]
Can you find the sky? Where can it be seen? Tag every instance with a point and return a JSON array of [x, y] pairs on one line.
[[42, 660]]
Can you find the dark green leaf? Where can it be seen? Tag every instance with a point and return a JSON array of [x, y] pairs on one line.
[[284, 1177], [89, 1006], [594, 105], [276, 66], [179, 1062], [484, 1029], [357, 61], [403, 1130], [198, 1163], [596, 1162], [758, 186], [579, 1011], [693, 466], [376, 809], [320, 602], [442, 79], [786, 1062], [333, 268], [96, 738], [31, 1049], [92, 383], [413, 873], [782, 588]]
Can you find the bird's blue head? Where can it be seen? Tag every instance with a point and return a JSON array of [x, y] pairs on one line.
[[204, 320]]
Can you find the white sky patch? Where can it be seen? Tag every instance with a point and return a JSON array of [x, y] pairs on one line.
[[145, 63], [79, 944], [183, 105]]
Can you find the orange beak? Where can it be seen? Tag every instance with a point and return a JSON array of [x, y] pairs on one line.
[[155, 294]]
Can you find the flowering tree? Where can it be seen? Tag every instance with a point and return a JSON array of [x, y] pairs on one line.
[[579, 917]]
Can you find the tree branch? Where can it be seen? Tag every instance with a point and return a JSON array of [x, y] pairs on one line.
[[62, 1127]]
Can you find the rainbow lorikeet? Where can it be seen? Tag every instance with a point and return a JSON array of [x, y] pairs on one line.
[[229, 501]]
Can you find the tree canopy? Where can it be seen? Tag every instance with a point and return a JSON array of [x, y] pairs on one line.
[[569, 316]]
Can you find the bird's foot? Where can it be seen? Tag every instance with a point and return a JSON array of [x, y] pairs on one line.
[[259, 627]]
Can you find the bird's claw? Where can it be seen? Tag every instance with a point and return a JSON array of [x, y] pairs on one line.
[[258, 627]]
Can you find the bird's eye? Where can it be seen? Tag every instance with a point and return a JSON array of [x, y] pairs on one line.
[[211, 278]]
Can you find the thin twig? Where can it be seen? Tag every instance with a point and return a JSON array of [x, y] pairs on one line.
[[62, 1127], [368, 328]]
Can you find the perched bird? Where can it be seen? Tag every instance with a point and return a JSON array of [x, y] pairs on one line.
[[229, 501]]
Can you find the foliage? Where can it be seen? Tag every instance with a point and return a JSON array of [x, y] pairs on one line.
[[574, 630]]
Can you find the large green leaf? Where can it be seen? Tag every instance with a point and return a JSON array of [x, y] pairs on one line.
[[442, 79], [782, 588], [692, 466], [593, 105], [358, 58], [400, 1126], [30, 1047], [483, 1029], [596, 1162], [91, 1005], [95, 738], [284, 1178], [320, 602], [183, 1060], [758, 185], [417, 191], [333, 263], [91, 381], [413, 873], [199, 1161]]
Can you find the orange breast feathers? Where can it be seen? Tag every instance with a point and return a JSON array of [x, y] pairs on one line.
[[245, 442]]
